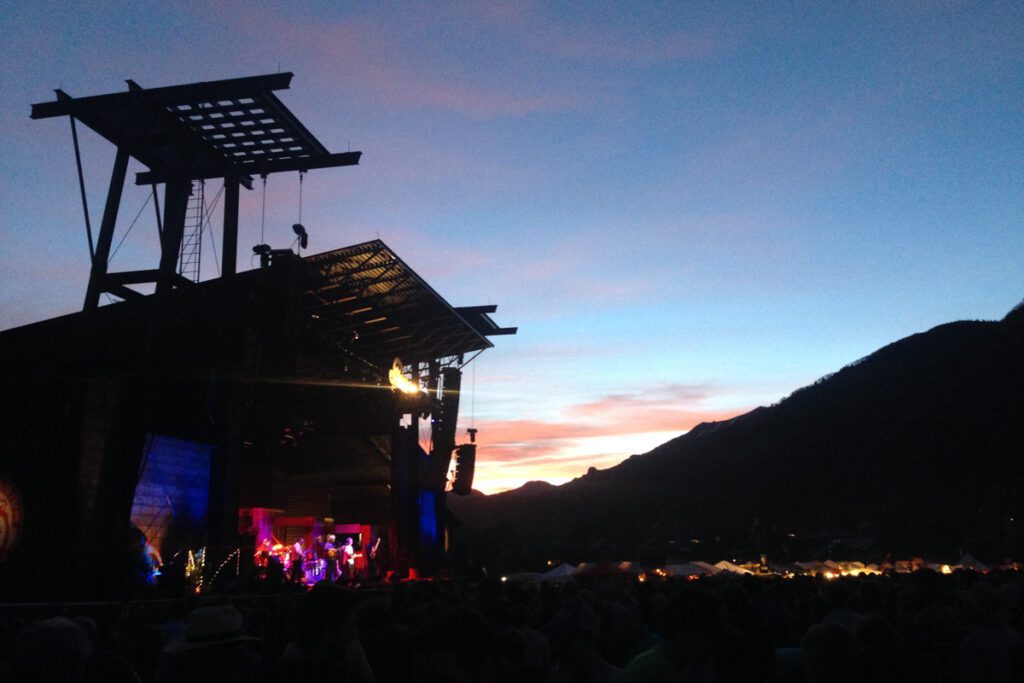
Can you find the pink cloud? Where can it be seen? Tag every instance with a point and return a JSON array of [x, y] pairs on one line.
[[598, 433], [611, 417], [622, 43], [387, 65]]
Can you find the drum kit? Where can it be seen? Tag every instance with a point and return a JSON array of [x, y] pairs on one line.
[[288, 556], [313, 568]]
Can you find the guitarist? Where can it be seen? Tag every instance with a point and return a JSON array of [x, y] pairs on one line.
[[348, 560], [373, 561]]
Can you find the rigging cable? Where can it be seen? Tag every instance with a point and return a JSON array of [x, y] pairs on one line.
[[125, 236], [472, 401], [213, 243], [300, 231], [263, 213]]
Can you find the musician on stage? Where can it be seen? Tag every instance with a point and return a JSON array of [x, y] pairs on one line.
[[348, 560], [331, 568], [297, 555], [313, 565], [262, 555], [373, 560]]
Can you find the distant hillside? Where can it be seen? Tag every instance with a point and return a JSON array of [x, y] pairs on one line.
[[917, 448]]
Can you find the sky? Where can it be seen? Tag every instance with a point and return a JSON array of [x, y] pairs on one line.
[[688, 209]]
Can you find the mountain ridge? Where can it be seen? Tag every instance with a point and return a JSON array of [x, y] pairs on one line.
[[916, 445]]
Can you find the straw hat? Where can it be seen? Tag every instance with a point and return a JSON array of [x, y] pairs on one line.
[[209, 626]]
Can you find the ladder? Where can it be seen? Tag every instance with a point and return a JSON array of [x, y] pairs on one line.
[[192, 237]]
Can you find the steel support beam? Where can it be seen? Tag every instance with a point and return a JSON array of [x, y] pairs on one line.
[[176, 195], [229, 255], [98, 272], [257, 168]]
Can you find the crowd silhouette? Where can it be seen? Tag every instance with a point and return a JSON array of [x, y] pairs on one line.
[[913, 627]]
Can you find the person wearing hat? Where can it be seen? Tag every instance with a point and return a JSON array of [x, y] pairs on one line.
[[214, 648], [348, 560]]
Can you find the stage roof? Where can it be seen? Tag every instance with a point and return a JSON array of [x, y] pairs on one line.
[[202, 130], [367, 300]]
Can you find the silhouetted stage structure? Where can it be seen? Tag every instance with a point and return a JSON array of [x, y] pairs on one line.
[[283, 402]]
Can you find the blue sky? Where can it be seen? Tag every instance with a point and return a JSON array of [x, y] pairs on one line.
[[688, 210]]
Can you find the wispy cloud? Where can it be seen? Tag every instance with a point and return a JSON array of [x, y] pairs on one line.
[[597, 433], [621, 35], [393, 63]]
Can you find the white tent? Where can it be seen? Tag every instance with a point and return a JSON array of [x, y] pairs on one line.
[[727, 566], [782, 568], [969, 562], [562, 572], [712, 569]]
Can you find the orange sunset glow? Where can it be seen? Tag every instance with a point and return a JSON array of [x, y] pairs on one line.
[[597, 434]]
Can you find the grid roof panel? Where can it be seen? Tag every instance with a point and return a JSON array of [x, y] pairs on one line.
[[247, 130], [203, 130], [369, 301]]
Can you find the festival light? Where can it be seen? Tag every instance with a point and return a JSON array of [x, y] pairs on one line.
[[194, 569], [400, 381], [236, 554]]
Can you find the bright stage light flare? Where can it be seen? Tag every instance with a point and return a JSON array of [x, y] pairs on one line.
[[400, 381]]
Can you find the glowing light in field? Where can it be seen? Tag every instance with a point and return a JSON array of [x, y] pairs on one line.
[[400, 381]]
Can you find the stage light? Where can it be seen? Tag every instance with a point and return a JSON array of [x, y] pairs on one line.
[[400, 381], [263, 250], [300, 230]]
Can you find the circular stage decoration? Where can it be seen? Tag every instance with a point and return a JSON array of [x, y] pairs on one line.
[[11, 517]]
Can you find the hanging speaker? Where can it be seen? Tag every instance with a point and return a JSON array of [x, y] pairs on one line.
[[465, 463]]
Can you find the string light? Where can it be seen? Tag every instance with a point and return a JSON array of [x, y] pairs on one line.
[[236, 554], [194, 568]]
